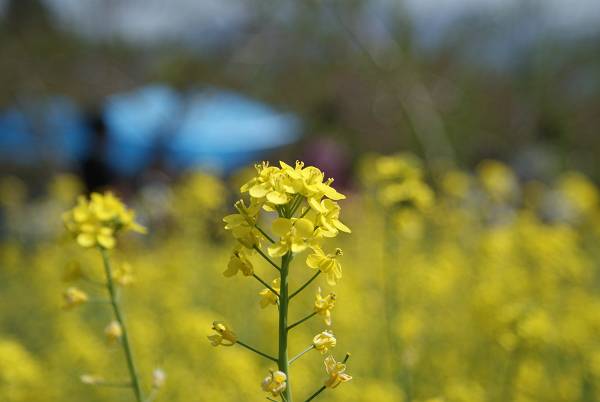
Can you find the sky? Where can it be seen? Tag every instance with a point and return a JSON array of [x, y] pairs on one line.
[[147, 21]]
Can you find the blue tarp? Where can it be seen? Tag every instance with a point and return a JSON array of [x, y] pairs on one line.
[[216, 129], [51, 131]]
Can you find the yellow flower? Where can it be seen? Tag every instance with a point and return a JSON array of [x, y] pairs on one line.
[[123, 274], [271, 185], [393, 168], [328, 218], [324, 341], [309, 182], [91, 235], [295, 236], [158, 378], [275, 383], [324, 305], [91, 379], [224, 336], [242, 225], [336, 372], [498, 180], [96, 221], [74, 297], [267, 296], [326, 263], [113, 331], [579, 193], [456, 183], [239, 262], [410, 193]]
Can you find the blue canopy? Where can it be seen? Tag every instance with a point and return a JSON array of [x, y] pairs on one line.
[[215, 129], [224, 131], [48, 130]]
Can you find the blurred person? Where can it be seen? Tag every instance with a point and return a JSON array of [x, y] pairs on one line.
[[95, 170]]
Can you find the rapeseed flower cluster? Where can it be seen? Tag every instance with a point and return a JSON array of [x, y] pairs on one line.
[[95, 222], [306, 215]]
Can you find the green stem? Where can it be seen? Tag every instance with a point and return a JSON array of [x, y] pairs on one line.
[[313, 396], [302, 320], [135, 383], [283, 329], [299, 355], [266, 284], [256, 351], [266, 257], [264, 233], [304, 213], [296, 205], [305, 285]]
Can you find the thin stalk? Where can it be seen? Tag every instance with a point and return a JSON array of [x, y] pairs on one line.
[[305, 285], [135, 383], [266, 284], [302, 320], [304, 213], [299, 355], [256, 351], [283, 329], [264, 233], [296, 205], [313, 396], [266, 257]]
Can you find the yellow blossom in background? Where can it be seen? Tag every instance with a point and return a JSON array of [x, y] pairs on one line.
[[498, 180], [91, 379], [224, 335], [113, 331], [22, 377], [65, 187], [123, 274], [581, 195], [158, 378], [456, 183], [74, 297], [96, 221], [275, 383], [324, 341], [496, 301], [336, 372], [324, 305]]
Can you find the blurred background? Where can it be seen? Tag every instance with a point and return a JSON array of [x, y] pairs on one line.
[[218, 84], [483, 282]]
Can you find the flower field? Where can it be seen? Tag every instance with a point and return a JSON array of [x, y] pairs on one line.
[[451, 287]]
